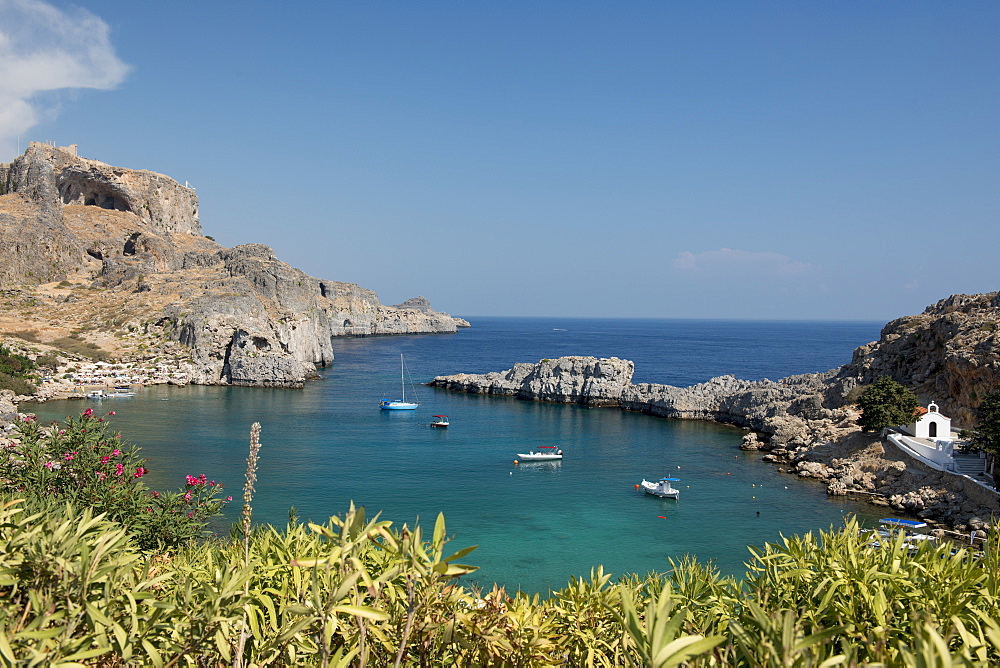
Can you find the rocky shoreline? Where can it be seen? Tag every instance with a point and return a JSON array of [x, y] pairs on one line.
[[807, 424]]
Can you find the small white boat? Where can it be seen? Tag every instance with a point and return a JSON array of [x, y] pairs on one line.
[[440, 421], [546, 453], [661, 488], [399, 404]]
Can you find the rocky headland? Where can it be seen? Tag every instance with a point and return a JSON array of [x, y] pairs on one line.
[[808, 423], [115, 260]]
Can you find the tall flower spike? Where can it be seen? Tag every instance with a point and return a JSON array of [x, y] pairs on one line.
[[248, 487]]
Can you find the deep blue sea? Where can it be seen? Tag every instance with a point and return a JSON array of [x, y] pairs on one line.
[[535, 524]]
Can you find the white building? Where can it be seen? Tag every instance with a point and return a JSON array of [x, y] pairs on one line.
[[931, 424]]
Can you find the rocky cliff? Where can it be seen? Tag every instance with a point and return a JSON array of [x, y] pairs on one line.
[[949, 354], [132, 239]]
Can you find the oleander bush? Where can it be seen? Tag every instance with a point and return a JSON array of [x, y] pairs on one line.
[[77, 588], [84, 462]]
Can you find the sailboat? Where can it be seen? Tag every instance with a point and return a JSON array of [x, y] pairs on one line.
[[399, 404]]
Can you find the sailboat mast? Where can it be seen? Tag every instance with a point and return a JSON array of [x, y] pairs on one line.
[[402, 382]]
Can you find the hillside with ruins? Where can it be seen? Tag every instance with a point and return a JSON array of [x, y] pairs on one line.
[[112, 263]]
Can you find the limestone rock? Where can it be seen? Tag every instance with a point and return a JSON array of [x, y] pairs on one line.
[[58, 176], [580, 380]]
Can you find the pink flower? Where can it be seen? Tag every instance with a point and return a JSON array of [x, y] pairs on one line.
[[69, 456], [111, 413], [101, 475], [187, 497], [229, 498], [62, 432], [49, 465], [156, 495], [100, 419], [190, 479], [115, 452], [105, 459], [119, 469], [139, 472], [88, 412]]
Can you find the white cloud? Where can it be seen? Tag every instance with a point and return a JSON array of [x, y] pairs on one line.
[[45, 49], [727, 262]]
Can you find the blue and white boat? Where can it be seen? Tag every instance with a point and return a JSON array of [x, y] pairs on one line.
[[891, 527], [399, 404], [662, 488]]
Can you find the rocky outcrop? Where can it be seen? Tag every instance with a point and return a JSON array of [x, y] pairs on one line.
[[36, 247], [780, 409], [421, 304], [577, 380], [949, 354], [247, 317], [54, 176]]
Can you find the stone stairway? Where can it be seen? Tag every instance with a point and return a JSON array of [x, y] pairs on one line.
[[969, 464]]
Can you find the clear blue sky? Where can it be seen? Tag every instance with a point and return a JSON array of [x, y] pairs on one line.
[[665, 159]]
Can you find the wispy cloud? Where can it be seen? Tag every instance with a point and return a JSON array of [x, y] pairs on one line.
[[727, 262], [45, 49]]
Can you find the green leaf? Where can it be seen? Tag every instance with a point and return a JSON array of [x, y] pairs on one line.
[[362, 611]]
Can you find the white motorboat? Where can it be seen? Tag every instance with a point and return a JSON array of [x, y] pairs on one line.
[[440, 421], [546, 453], [662, 488]]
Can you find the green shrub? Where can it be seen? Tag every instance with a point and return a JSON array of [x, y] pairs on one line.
[[15, 384], [75, 345], [885, 403], [29, 335], [47, 361], [86, 463], [13, 363]]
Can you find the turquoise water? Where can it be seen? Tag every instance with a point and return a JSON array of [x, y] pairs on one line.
[[536, 524]]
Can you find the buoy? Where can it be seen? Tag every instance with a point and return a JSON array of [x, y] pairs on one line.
[[661, 517], [729, 474], [753, 497], [637, 486], [678, 467], [515, 462]]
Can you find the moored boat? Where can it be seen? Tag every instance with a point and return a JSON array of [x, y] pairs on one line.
[[546, 453], [399, 404], [661, 488], [440, 421]]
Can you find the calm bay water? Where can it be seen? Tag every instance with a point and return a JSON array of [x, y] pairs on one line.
[[536, 524]]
